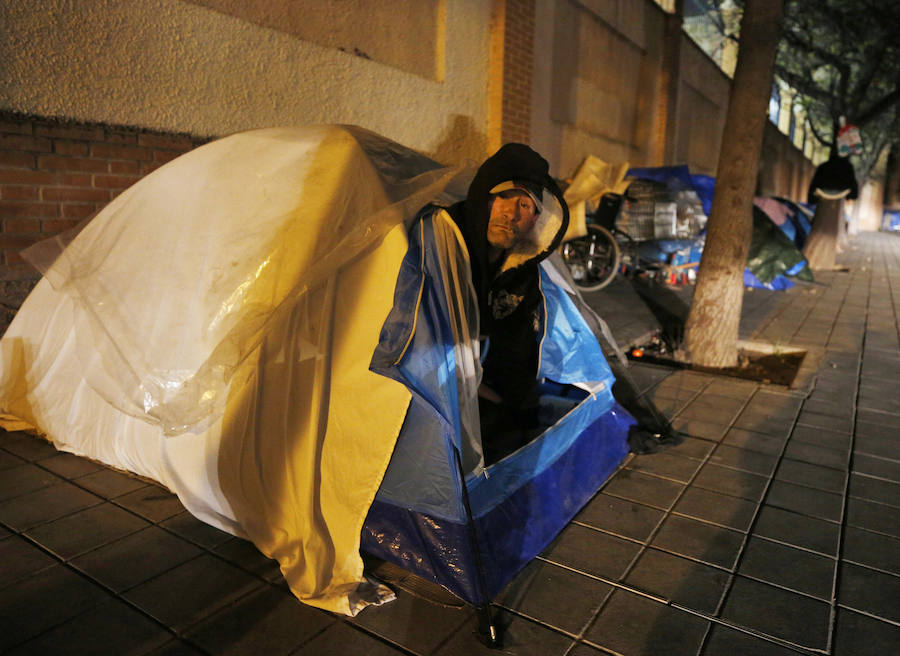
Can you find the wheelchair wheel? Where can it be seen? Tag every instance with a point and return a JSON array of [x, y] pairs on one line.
[[593, 259]]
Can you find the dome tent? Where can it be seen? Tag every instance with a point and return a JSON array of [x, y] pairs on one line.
[[269, 327]]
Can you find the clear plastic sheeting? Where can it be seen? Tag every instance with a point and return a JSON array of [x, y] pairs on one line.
[[183, 274], [212, 330]]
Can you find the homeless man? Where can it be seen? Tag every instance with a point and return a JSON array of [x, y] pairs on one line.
[[508, 231]]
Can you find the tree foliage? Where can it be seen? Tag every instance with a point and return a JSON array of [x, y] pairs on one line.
[[843, 58]]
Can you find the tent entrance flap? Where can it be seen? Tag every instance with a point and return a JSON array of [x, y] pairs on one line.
[[518, 504]]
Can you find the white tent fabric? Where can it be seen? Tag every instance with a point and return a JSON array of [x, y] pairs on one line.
[[211, 329]]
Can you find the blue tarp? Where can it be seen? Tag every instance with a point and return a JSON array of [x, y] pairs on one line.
[[678, 178], [519, 504], [891, 220]]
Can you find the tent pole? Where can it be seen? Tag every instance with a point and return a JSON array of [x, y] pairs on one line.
[[488, 632]]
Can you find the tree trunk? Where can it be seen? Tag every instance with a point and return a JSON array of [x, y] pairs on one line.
[[711, 331], [821, 244]]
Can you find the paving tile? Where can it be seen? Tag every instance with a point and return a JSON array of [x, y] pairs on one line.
[[829, 422], [730, 481], [269, 621], [805, 500], [876, 467], [731, 389], [342, 638], [707, 430], [8, 460], [867, 417], [649, 490], [817, 455], [582, 649], [876, 430], [46, 504], [844, 411], [743, 459], [666, 407], [668, 390], [725, 640], [711, 544], [544, 592], [707, 411], [778, 613], [69, 465], [839, 441], [830, 397], [647, 375], [151, 502], [804, 473], [21, 559], [23, 479], [880, 403], [666, 464], [191, 528], [136, 558], [753, 441], [520, 636], [28, 447], [874, 489], [788, 567], [85, 530], [882, 447], [762, 423], [843, 387], [192, 591], [631, 624], [693, 447], [687, 380], [872, 549], [858, 635], [246, 555], [722, 509], [775, 404], [799, 530], [679, 580], [620, 516], [177, 648], [111, 628], [771, 406], [110, 484], [869, 591], [873, 516], [49, 597], [592, 552]]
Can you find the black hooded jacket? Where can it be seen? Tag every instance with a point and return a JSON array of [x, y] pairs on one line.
[[509, 295]]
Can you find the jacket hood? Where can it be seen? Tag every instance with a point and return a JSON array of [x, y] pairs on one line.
[[517, 163]]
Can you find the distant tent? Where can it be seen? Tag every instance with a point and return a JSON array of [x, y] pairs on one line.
[[270, 328]]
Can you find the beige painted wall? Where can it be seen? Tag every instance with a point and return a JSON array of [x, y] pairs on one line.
[[176, 66], [602, 87], [598, 84], [213, 67]]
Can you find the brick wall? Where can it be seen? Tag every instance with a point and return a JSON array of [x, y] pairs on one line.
[[518, 57], [54, 175]]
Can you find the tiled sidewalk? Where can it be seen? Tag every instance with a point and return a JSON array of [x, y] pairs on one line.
[[773, 529]]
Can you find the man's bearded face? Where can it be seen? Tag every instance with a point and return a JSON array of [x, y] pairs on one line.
[[513, 214]]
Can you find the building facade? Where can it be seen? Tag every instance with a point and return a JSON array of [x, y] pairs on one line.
[[97, 93]]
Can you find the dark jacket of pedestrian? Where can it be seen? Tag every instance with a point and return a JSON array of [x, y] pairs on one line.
[[508, 288]]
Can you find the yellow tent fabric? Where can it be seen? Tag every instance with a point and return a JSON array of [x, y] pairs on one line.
[[212, 328]]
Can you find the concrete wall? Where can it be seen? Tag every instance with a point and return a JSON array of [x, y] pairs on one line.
[[184, 67], [619, 80], [598, 82]]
